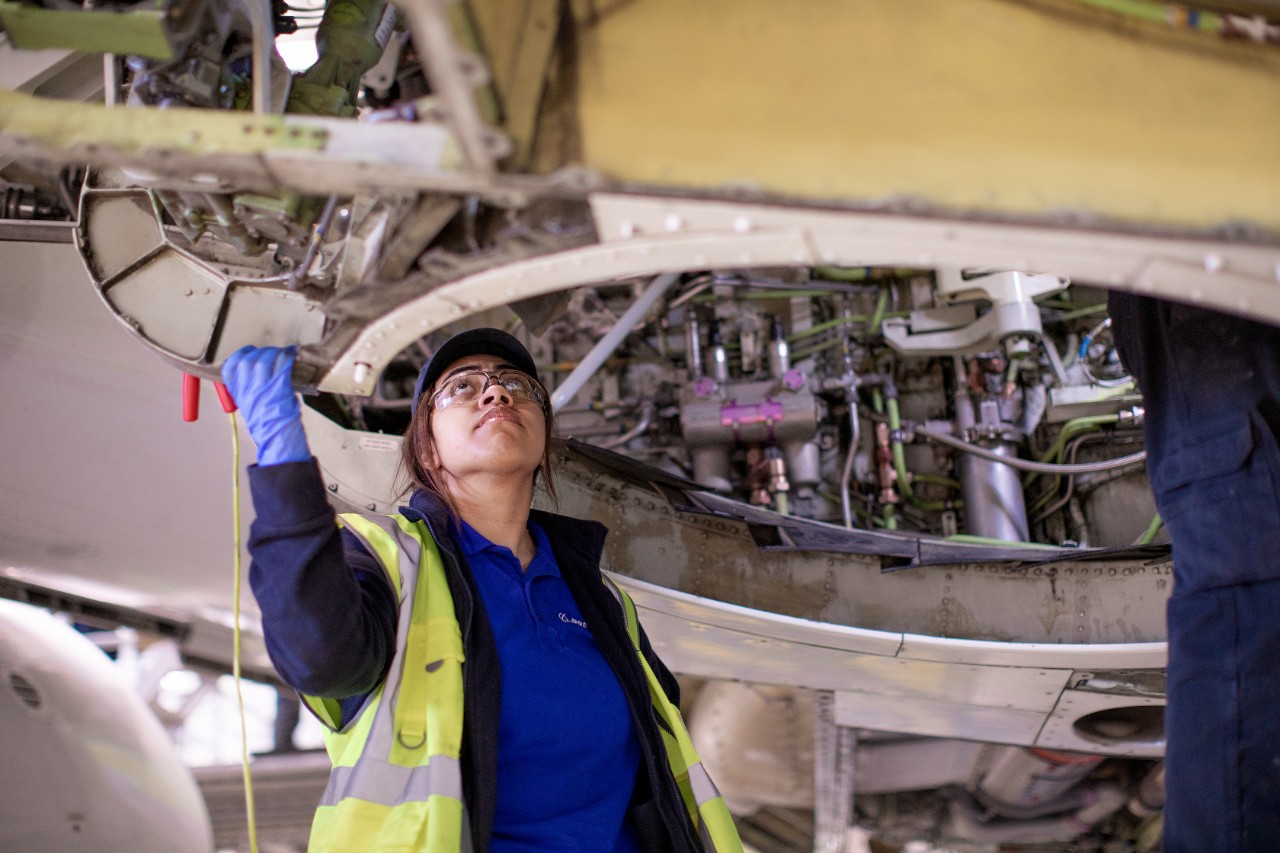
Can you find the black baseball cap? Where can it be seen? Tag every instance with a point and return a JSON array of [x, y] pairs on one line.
[[486, 341]]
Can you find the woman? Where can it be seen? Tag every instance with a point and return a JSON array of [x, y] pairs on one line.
[[483, 686]]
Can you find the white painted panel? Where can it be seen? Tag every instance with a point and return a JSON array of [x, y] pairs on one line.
[[940, 719], [1060, 730], [694, 647], [1072, 656], [737, 618]]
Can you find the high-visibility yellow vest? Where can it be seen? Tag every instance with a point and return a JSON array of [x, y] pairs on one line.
[[706, 806], [396, 783]]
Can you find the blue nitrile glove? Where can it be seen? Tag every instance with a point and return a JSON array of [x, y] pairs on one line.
[[258, 379]]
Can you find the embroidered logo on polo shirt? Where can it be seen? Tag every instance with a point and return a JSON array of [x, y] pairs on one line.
[[564, 617]]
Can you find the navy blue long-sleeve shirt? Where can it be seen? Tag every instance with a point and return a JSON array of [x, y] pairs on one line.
[[305, 574]]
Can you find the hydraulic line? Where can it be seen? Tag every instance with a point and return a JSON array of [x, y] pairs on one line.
[[824, 326], [642, 426], [899, 453], [989, 540], [900, 461], [612, 340], [1149, 535], [814, 349], [1077, 313], [877, 316], [1070, 430], [843, 273], [318, 232], [1027, 464], [1073, 427], [827, 325], [1070, 453], [995, 502], [889, 520], [857, 273], [846, 503], [1161, 13], [259, 13]]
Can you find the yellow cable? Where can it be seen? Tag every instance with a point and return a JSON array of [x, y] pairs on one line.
[[235, 634]]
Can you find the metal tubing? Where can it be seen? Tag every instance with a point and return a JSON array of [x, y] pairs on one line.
[[993, 499], [646, 418], [994, 506], [1027, 464], [846, 503], [693, 346], [318, 232], [260, 22], [604, 348]]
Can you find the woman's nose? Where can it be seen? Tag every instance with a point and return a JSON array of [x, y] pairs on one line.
[[495, 392]]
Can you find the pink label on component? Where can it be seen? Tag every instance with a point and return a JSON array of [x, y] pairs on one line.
[[732, 414]]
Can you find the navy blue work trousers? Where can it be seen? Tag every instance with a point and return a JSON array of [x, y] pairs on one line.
[[1211, 388]]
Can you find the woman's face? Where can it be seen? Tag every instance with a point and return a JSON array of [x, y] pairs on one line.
[[495, 433]]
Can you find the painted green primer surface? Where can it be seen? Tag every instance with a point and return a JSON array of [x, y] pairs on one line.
[[138, 32]]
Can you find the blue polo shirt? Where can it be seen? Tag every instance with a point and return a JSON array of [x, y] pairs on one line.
[[567, 748]]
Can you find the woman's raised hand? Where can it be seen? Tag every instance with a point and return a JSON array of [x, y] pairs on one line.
[[259, 381]]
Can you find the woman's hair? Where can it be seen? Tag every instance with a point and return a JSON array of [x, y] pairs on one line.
[[419, 445]]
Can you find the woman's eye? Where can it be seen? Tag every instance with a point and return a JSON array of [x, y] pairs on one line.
[[463, 385]]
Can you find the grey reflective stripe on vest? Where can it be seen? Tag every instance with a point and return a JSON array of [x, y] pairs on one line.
[[390, 784], [382, 732], [700, 782], [703, 790], [372, 778]]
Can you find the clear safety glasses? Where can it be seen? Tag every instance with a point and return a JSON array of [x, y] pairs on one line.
[[466, 387]]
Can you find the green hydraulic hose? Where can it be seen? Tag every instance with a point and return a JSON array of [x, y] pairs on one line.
[[1161, 13], [900, 462], [1152, 529], [1069, 430], [824, 326], [763, 294], [899, 455], [877, 316], [805, 352], [843, 273], [1087, 311], [938, 481], [857, 273], [1073, 427], [802, 354], [986, 540], [888, 519], [827, 325]]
